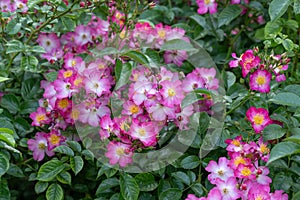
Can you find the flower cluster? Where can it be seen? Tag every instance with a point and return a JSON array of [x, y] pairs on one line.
[[261, 67], [152, 102], [259, 118], [13, 5], [241, 176], [82, 90]]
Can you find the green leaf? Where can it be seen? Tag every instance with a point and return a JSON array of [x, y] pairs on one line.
[[288, 44], [137, 56], [293, 138], [4, 190], [273, 131], [229, 13], [15, 171], [30, 88], [51, 76], [13, 27], [272, 29], [282, 181], [54, 192], [64, 177], [171, 194], [76, 164], [14, 46], [32, 3], [107, 184], [277, 8], [40, 187], [286, 98], [198, 189], [199, 20], [2, 79], [6, 130], [37, 49], [123, 73], [230, 79], [129, 187], [29, 63], [146, 182], [88, 154], [28, 106], [283, 149], [4, 164], [74, 145], [297, 11], [50, 170], [177, 44], [64, 150], [189, 99], [297, 195], [190, 162], [106, 51], [10, 102], [68, 23], [182, 177]]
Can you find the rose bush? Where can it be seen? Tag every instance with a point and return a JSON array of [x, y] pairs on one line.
[[149, 100]]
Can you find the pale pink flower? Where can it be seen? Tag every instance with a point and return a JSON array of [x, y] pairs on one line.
[[219, 171], [175, 56], [278, 195], [130, 108], [146, 132], [228, 189], [119, 153], [82, 35], [54, 139], [160, 112], [39, 146], [206, 6], [96, 84], [49, 41], [39, 117], [172, 93]]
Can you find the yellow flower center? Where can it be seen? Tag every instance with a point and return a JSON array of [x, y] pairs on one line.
[[120, 151], [225, 191], [142, 132], [264, 149], [258, 119], [68, 73], [75, 114], [40, 117], [134, 109], [259, 197], [42, 146], [54, 139], [63, 103], [77, 81], [246, 171], [239, 160], [171, 92], [207, 2], [236, 143], [221, 173], [101, 66], [122, 35], [48, 43], [73, 63], [161, 34], [260, 80]]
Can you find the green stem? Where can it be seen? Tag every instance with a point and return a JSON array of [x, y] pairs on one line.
[[246, 98]]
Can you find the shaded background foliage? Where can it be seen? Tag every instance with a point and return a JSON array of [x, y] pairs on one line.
[[74, 173]]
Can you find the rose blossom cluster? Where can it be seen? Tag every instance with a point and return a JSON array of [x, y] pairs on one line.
[[13, 5], [82, 90], [241, 176], [152, 102], [261, 67]]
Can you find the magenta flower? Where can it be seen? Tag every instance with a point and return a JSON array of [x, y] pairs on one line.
[[214, 194], [39, 146], [259, 118], [206, 6], [146, 132], [120, 153], [96, 84], [192, 81], [258, 193], [54, 139], [130, 108], [63, 89], [248, 61], [106, 125], [82, 35], [261, 176], [160, 112], [39, 117], [245, 171], [278, 195], [220, 171], [192, 197], [260, 81]]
